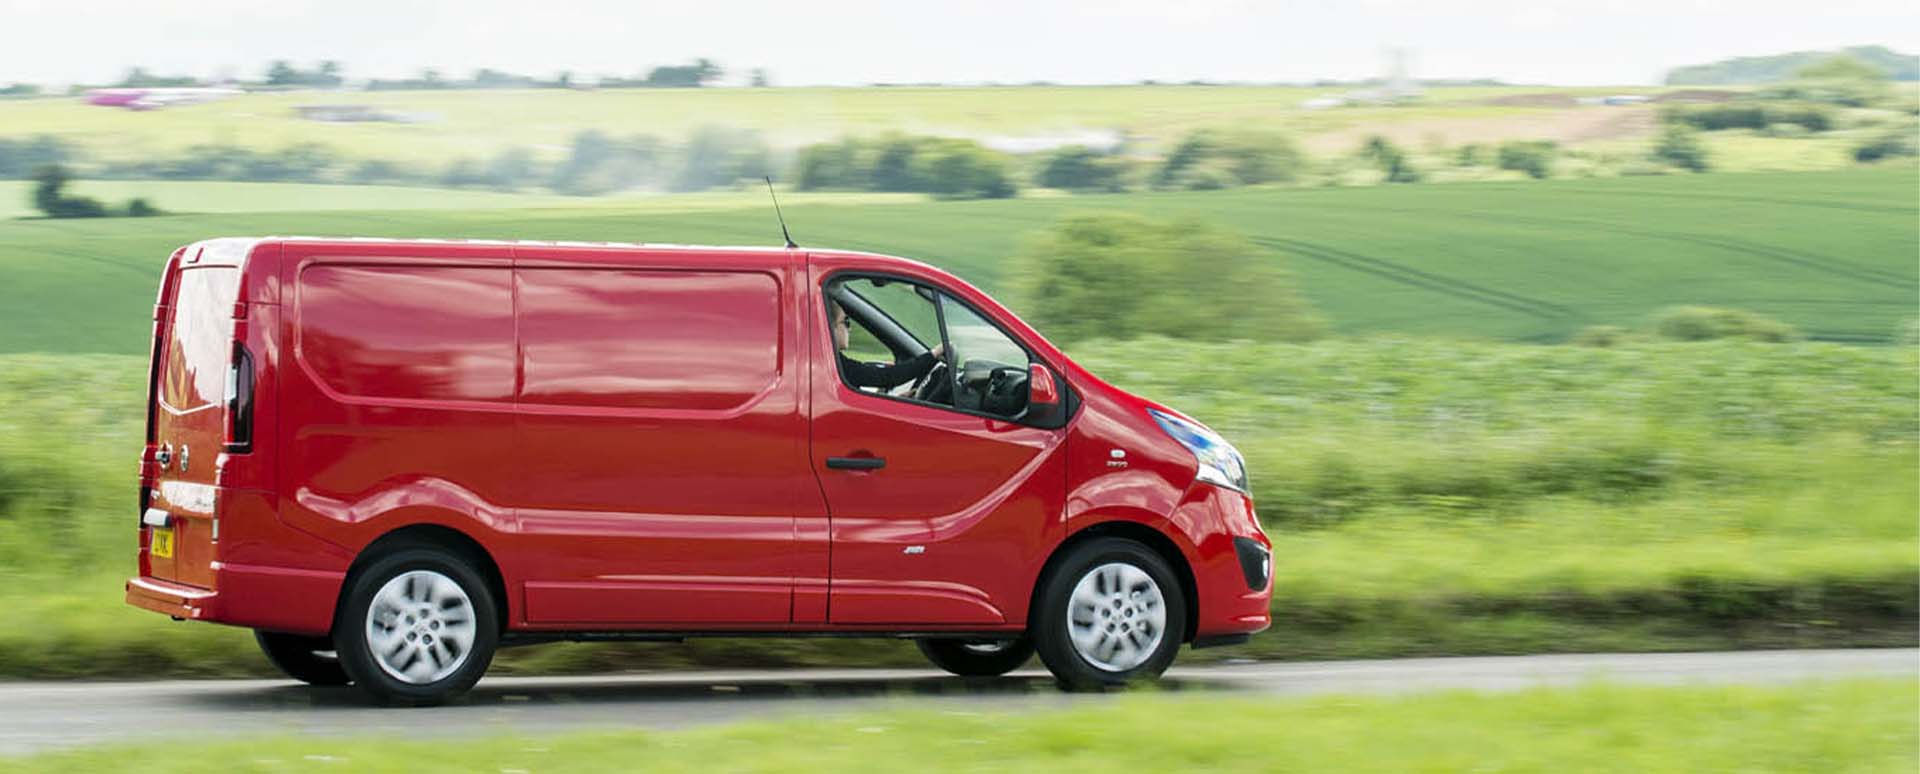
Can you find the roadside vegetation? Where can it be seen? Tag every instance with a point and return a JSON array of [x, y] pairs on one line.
[[1424, 496], [1853, 726]]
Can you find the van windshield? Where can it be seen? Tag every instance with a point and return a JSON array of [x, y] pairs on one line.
[[199, 338]]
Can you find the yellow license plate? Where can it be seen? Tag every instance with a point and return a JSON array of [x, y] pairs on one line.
[[162, 545]]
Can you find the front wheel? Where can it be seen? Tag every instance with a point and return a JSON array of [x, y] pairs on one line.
[[418, 627], [977, 658], [310, 660], [1110, 613]]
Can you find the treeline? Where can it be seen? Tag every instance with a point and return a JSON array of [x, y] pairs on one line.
[[1780, 67], [282, 74], [596, 163]]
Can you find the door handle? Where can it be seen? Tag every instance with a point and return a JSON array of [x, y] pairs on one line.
[[856, 463]]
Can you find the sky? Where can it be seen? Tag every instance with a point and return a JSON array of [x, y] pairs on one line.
[[851, 42]]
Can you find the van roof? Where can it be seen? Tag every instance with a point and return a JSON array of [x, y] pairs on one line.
[[233, 251], [525, 243]]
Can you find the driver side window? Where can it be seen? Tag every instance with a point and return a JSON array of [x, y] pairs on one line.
[[912, 342]]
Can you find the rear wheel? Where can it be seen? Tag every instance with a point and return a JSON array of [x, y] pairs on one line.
[[418, 627], [977, 658], [1110, 613], [310, 660]]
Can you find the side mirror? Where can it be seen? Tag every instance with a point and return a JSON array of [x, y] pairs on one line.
[[1041, 391], [1046, 405]]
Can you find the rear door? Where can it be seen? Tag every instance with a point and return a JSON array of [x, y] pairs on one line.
[[189, 420]]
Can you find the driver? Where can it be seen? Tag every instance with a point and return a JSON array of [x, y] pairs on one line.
[[883, 376]]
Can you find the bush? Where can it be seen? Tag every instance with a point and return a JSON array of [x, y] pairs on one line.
[[598, 164], [1534, 157], [1602, 336], [1118, 276], [718, 156], [1889, 145], [962, 169], [945, 167], [1680, 146], [1705, 323], [832, 165], [1079, 168], [1750, 115], [381, 171], [21, 158], [139, 207], [1391, 160], [1209, 159]]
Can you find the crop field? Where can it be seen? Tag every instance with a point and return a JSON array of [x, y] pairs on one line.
[[1424, 497], [1830, 252], [1853, 726], [479, 123]]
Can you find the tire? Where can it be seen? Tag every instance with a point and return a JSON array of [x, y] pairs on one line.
[[418, 626], [1110, 613], [300, 657], [977, 658]]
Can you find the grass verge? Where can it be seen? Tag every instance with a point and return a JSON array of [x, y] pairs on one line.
[[1818, 727]]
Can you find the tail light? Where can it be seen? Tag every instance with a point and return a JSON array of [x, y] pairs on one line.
[[240, 400]]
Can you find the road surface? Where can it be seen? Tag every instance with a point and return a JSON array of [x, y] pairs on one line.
[[40, 716]]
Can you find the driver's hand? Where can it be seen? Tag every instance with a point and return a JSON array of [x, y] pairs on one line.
[[939, 351]]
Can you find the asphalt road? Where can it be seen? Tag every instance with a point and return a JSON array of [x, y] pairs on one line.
[[40, 716]]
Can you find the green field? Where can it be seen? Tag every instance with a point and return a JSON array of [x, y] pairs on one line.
[[479, 123], [1831, 252], [1829, 728], [1424, 497]]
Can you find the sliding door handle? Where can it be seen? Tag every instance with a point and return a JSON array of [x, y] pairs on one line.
[[856, 463]]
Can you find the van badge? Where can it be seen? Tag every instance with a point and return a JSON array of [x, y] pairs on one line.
[[915, 550], [1119, 458]]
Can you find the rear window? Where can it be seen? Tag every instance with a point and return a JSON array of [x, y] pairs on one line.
[[429, 333], [199, 338], [648, 339]]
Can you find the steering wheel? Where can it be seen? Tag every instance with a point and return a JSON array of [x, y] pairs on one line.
[[928, 385]]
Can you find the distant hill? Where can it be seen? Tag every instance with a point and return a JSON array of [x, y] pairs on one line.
[[1780, 67]]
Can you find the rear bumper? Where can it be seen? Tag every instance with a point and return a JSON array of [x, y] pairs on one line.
[[273, 598]]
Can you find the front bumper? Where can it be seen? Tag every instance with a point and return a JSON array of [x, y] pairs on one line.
[[1232, 563]]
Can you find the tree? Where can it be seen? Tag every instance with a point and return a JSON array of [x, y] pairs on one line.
[[761, 79], [1534, 157], [1209, 159], [50, 198], [700, 73], [1679, 145], [1077, 167], [328, 74], [1391, 160], [1122, 276], [281, 73], [49, 187]]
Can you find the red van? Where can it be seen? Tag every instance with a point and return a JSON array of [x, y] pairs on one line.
[[390, 458]]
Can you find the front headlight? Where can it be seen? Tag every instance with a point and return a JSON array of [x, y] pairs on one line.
[[1220, 463]]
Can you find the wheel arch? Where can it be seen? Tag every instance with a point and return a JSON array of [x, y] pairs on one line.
[[433, 536], [1155, 540]]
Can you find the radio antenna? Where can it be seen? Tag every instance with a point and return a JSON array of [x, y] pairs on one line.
[[777, 215]]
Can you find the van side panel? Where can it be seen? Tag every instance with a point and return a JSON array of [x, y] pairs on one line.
[[660, 444], [396, 382]]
